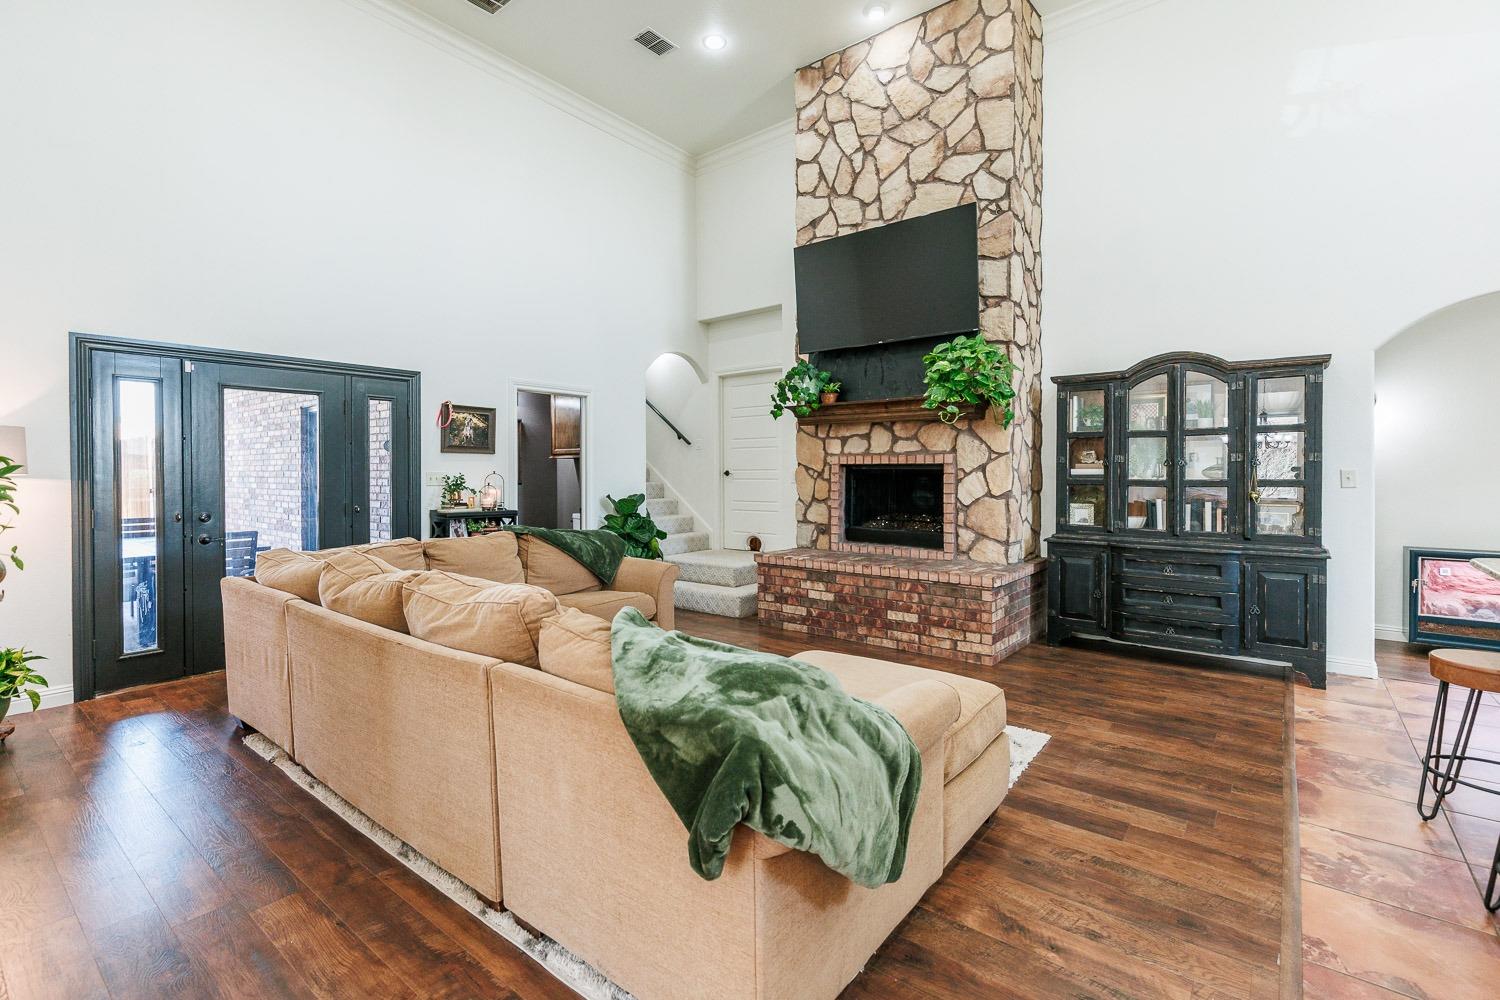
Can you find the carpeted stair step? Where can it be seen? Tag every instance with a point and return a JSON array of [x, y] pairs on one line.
[[675, 524], [726, 602], [687, 541], [717, 567], [661, 507], [654, 491]]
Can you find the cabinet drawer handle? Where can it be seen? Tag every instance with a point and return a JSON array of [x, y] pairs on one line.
[[1169, 599], [1171, 630], [1098, 594], [1254, 610], [1170, 571]]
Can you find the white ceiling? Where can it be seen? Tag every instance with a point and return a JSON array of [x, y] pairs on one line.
[[696, 99]]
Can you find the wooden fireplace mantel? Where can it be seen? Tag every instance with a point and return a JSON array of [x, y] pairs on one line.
[[874, 411]]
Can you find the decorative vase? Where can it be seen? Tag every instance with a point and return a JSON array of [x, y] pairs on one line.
[[829, 397]]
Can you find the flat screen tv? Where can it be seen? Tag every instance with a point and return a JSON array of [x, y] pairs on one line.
[[903, 281]]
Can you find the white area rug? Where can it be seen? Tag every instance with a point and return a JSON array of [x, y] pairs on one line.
[[571, 970]]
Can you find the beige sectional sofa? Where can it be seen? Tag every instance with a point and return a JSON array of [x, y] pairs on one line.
[[520, 779]]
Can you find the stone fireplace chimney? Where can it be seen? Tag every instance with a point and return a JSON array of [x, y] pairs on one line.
[[940, 110]]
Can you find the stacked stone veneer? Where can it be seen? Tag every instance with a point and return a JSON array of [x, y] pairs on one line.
[[954, 609], [940, 110]]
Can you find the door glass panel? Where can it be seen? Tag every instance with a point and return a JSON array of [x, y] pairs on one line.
[[1207, 456], [1278, 455], [1280, 511], [270, 475], [1205, 401], [1280, 401], [1146, 508], [1086, 457], [1086, 411], [1206, 509], [1148, 405], [1148, 458], [138, 478], [380, 470], [1086, 506]]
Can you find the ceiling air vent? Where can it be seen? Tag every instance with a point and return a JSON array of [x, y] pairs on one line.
[[651, 40], [489, 6]]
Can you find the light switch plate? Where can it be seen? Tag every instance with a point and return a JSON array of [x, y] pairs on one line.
[[434, 480], [1348, 480]]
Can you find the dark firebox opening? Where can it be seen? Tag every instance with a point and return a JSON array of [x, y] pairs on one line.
[[894, 505]]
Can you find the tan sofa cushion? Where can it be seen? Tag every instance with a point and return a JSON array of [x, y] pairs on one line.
[[575, 646], [981, 716], [607, 603], [500, 620], [362, 586], [402, 553], [290, 572], [487, 557], [552, 569]]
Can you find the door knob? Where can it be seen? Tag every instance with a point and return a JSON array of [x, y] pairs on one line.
[[727, 472], [205, 517], [204, 539], [358, 509]]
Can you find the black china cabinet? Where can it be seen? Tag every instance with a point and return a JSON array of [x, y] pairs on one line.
[[1189, 509]]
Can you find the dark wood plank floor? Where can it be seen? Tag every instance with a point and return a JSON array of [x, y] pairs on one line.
[[146, 853]]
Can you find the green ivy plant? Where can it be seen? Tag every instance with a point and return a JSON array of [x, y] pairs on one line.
[[453, 488], [969, 371], [17, 678], [8, 469], [800, 390], [632, 522]]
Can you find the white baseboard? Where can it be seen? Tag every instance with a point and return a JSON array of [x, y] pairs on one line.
[[1353, 668], [58, 694], [1394, 633]]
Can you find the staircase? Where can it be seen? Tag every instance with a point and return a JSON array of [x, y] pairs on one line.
[[712, 581]]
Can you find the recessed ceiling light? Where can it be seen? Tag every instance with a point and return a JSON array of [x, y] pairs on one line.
[[714, 42], [877, 11]]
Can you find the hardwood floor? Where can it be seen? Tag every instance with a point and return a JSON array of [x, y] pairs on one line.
[[148, 853], [1391, 905]]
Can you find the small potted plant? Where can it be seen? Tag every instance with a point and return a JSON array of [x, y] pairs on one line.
[[453, 490], [630, 519], [801, 390], [17, 679], [830, 393], [969, 371]]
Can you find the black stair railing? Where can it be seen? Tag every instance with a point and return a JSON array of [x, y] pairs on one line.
[[680, 436]]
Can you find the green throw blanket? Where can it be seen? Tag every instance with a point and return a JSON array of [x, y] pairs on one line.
[[736, 736], [599, 552]]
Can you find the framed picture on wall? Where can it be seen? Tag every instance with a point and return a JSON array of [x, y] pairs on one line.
[[1454, 598], [466, 430]]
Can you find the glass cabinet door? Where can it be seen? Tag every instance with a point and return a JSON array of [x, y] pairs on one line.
[[1207, 445], [1279, 457], [1085, 500], [1148, 453]]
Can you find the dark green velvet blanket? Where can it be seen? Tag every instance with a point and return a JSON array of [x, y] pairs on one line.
[[736, 736], [599, 552]]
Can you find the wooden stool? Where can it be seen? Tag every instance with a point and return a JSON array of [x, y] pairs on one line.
[[1478, 671]]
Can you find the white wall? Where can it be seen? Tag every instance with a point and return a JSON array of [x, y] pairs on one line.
[[1288, 178], [1437, 418], [746, 302], [301, 177]]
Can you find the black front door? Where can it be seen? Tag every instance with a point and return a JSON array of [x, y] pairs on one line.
[[198, 461]]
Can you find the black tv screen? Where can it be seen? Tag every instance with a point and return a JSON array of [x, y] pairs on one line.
[[903, 281]]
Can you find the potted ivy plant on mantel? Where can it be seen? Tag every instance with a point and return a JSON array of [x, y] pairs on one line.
[[803, 389], [969, 371]]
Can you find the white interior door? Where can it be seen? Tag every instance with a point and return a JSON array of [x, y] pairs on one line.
[[754, 475]]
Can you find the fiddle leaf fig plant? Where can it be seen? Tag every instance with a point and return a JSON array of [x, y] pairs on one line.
[[632, 522], [800, 389], [969, 371], [17, 678], [8, 469]]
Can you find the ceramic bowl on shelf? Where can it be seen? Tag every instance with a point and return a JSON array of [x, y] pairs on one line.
[[1136, 521]]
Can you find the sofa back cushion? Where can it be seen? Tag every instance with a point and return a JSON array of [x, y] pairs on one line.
[[575, 646], [491, 557], [401, 553], [363, 586], [500, 620], [290, 572], [552, 569]]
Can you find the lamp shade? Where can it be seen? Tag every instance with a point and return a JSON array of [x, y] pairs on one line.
[[13, 446]]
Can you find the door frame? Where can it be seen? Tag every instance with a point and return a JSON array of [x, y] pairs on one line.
[[81, 349], [591, 518], [721, 532]]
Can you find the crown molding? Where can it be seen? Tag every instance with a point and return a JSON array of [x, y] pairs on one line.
[[1086, 14], [739, 149], [428, 29]]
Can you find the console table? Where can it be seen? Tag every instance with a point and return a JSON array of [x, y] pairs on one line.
[[453, 522], [1189, 509]]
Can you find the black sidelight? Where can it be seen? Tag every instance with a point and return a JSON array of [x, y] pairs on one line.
[[894, 505]]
